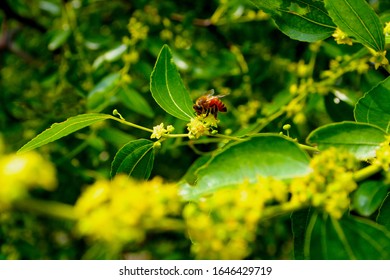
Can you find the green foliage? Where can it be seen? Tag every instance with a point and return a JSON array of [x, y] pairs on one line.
[[350, 238], [261, 156], [358, 138], [358, 20], [304, 20], [384, 211], [369, 196], [305, 135], [330, 239], [167, 87], [59, 130], [374, 106], [101, 94], [135, 159]]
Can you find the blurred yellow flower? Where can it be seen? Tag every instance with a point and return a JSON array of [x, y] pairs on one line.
[[329, 185], [386, 30], [379, 59], [383, 155], [19, 173], [121, 211], [224, 225], [137, 30]]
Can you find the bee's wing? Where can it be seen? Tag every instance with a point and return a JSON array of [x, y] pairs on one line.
[[221, 95], [210, 93]]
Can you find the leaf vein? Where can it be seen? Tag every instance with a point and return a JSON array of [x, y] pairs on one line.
[[168, 87]]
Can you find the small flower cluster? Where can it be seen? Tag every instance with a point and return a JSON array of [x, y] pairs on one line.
[[379, 59], [159, 131], [202, 125], [330, 183], [341, 37], [123, 210], [137, 30], [224, 225], [386, 30], [20, 173], [344, 64], [246, 112], [383, 155]]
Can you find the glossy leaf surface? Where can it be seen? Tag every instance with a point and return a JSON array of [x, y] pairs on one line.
[[305, 20], [135, 159], [349, 238], [358, 20], [265, 155], [168, 89], [369, 196], [360, 139], [374, 106]]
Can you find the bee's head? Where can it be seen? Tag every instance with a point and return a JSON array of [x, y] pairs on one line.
[[198, 108]]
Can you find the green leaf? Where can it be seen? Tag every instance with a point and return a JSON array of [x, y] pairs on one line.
[[264, 155], [135, 159], [369, 197], [58, 39], [299, 222], [358, 20], [304, 20], [59, 130], [111, 55], [383, 217], [168, 89], [348, 238], [190, 176], [135, 101], [368, 239], [100, 96], [374, 106], [360, 139]]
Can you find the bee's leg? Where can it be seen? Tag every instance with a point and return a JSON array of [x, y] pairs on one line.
[[214, 111]]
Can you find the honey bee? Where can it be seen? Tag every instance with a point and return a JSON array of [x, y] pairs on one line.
[[209, 104]]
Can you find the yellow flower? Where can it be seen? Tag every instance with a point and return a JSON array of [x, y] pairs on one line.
[[383, 155], [159, 131], [273, 189], [386, 30], [223, 226], [137, 30], [341, 37], [131, 57], [329, 185], [202, 125], [248, 111], [19, 173], [379, 59], [123, 210]]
